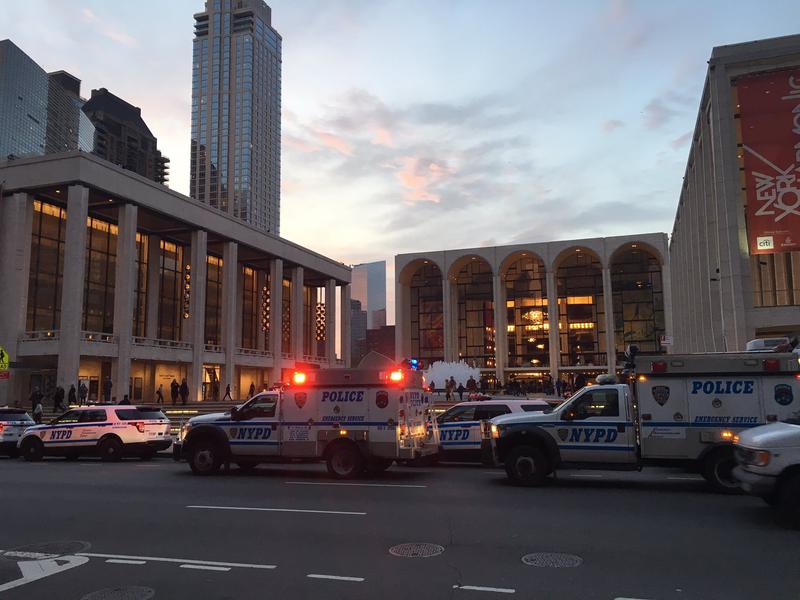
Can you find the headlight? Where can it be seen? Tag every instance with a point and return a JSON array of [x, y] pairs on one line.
[[185, 430], [760, 458], [496, 429]]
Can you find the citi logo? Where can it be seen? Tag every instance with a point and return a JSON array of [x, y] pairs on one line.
[[765, 243]]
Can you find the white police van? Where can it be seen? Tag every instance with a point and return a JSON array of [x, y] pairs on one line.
[[679, 410], [13, 422], [460, 425], [356, 420], [109, 431]]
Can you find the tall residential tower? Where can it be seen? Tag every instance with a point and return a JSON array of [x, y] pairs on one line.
[[236, 112]]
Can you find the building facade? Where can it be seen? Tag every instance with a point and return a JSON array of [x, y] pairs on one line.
[[535, 311], [369, 288], [39, 112], [358, 332], [108, 275], [122, 137], [735, 245], [381, 340], [236, 112]]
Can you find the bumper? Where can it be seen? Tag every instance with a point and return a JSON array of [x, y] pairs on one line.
[[177, 451], [488, 454], [753, 483], [8, 447]]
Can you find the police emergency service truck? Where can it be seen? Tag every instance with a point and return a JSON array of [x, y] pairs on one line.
[[356, 420], [678, 410]]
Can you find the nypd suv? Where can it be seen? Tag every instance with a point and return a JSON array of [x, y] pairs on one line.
[[13, 421], [108, 431]]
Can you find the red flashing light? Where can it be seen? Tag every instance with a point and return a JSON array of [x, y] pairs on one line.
[[659, 366], [772, 364], [2, 427], [299, 378], [396, 376]]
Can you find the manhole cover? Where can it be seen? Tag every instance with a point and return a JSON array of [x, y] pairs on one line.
[[122, 593], [416, 550], [46, 550], [555, 560]]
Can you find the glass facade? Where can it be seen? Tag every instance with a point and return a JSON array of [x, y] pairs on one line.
[[213, 300], [427, 316], [581, 313], [170, 317], [236, 106], [286, 315], [528, 323], [47, 267], [638, 301], [140, 291], [475, 298], [101, 264], [250, 307]]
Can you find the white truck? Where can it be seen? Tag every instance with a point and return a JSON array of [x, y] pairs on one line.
[[356, 420], [677, 410], [768, 460]]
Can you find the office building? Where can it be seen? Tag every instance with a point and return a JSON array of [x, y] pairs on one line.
[[236, 112], [122, 137], [381, 340], [535, 311], [369, 288], [39, 112], [109, 274], [735, 245]]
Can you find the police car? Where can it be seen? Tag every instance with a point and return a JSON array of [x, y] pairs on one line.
[[13, 421], [105, 430], [460, 425]]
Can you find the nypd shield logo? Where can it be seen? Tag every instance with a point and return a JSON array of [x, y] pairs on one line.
[[337, 409], [660, 394], [783, 394], [382, 399], [562, 434], [300, 399]]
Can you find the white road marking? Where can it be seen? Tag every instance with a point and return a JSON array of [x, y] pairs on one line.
[[586, 475], [480, 588], [622, 598], [335, 577], [205, 568], [122, 561], [685, 479], [33, 570], [290, 510], [177, 560], [390, 485]]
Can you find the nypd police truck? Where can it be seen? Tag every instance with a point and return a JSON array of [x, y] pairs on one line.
[[355, 420], [677, 410]]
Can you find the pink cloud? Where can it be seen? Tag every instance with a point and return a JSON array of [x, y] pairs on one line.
[[419, 175], [612, 124], [382, 137], [334, 141], [681, 141], [299, 144]]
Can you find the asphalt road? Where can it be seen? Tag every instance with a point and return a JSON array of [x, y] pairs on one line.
[[152, 530]]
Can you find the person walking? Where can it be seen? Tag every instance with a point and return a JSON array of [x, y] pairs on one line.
[[58, 399], [174, 390], [160, 394], [38, 411], [227, 393], [184, 390], [125, 400], [107, 390], [432, 387], [252, 391], [72, 396], [460, 390], [472, 385], [36, 396], [83, 392]]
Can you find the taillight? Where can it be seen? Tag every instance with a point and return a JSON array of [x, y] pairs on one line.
[[658, 366], [2, 426], [139, 426], [772, 364]]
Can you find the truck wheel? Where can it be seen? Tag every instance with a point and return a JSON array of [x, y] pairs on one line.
[[345, 461], [526, 465], [787, 507], [205, 457], [718, 471], [110, 450], [32, 449]]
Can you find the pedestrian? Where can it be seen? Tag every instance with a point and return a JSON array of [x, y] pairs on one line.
[[580, 381], [184, 391], [58, 399], [72, 396], [460, 390], [160, 394], [125, 400], [35, 397], [252, 391], [215, 390], [107, 390], [432, 387], [38, 411], [174, 390], [83, 391], [483, 385], [472, 385], [448, 391], [559, 387], [228, 393]]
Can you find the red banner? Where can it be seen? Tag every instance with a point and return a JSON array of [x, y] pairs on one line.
[[769, 108]]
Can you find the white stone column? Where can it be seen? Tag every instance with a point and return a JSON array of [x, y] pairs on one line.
[[153, 285], [330, 321], [297, 313], [16, 223], [124, 286], [500, 329], [347, 329], [276, 317], [608, 306], [194, 327], [230, 306], [69, 345], [554, 340], [450, 322]]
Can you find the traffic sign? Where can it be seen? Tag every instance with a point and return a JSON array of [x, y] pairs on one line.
[[665, 340], [3, 360]]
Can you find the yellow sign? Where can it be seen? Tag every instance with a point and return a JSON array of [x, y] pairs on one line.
[[3, 359]]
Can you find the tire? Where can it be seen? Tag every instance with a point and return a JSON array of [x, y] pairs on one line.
[[787, 507], [375, 466], [205, 457], [718, 471], [527, 465], [110, 449], [345, 461], [32, 449]]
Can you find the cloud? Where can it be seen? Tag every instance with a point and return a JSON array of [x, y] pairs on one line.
[[612, 124], [89, 16], [681, 141], [420, 176], [657, 114], [106, 30], [382, 137], [331, 140]]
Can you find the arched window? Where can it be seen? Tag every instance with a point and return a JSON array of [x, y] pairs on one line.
[[528, 323]]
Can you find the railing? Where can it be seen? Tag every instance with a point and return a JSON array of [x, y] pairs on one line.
[[253, 352], [159, 343], [584, 359], [287, 355], [97, 336], [34, 336], [212, 348]]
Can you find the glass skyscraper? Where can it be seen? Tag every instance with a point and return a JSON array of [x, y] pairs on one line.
[[236, 112]]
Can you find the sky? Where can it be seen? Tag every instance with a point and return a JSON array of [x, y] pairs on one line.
[[413, 125]]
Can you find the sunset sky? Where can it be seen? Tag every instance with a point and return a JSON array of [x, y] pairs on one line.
[[424, 125]]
